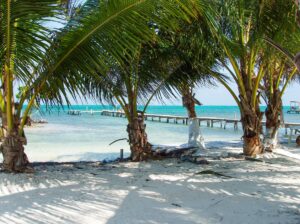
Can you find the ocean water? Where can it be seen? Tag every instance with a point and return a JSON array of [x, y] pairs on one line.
[[88, 137]]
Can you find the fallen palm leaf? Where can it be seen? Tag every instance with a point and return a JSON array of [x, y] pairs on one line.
[[121, 139], [211, 172], [253, 159]]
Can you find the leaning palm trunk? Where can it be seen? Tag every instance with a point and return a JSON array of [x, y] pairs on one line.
[[195, 136], [273, 114], [252, 127], [139, 146], [12, 148], [14, 157]]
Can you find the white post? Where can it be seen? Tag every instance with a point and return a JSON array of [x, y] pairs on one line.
[[269, 141], [195, 137]]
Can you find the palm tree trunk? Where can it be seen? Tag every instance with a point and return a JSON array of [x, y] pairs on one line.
[[139, 146], [273, 115], [12, 148], [195, 136], [188, 102], [252, 126], [252, 145], [14, 157]]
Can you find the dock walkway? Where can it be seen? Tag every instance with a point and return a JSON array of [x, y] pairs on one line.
[[79, 112], [210, 121]]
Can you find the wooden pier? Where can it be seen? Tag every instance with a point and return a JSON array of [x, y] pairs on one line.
[[79, 112], [209, 121]]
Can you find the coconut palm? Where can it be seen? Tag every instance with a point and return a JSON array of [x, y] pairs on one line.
[[24, 39], [190, 51], [244, 24], [196, 52], [133, 85], [49, 65], [280, 71], [136, 82], [130, 85]]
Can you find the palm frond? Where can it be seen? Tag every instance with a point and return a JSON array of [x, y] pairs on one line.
[[104, 33]]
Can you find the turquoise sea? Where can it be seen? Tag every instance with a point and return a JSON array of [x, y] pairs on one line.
[[202, 111], [87, 137]]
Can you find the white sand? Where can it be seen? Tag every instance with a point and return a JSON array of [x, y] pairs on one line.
[[155, 192]]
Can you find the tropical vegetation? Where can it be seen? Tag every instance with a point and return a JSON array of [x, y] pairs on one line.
[[247, 57], [128, 51], [50, 64]]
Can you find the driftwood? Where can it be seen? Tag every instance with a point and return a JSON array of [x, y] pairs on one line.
[[184, 154], [253, 159], [211, 172], [174, 153]]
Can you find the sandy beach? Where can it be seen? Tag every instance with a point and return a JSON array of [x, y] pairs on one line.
[[168, 191]]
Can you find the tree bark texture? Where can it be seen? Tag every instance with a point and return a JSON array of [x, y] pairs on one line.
[[138, 141], [252, 127], [188, 100], [12, 148]]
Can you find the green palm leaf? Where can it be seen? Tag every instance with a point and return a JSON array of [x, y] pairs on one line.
[[106, 29]]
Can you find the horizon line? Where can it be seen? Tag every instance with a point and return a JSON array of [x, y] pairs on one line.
[[175, 105]]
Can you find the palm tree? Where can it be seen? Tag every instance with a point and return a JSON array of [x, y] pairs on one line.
[[274, 84], [24, 39], [196, 52], [133, 85], [49, 67], [244, 24], [241, 45], [137, 81], [279, 71], [189, 51], [189, 101], [130, 85]]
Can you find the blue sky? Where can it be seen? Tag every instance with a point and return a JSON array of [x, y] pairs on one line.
[[219, 96]]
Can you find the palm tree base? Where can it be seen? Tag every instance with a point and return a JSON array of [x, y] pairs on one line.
[[195, 137], [138, 141], [271, 139], [14, 158], [252, 146], [139, 154]]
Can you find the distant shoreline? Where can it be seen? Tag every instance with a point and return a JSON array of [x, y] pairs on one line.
[[107, 105]]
